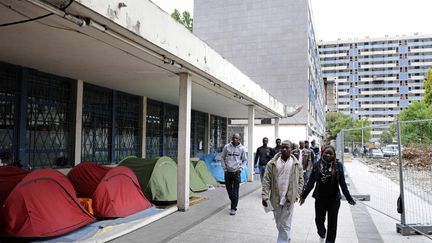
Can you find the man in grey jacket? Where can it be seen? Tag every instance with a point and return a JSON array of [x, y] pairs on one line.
[[281, 187], [234, 159]]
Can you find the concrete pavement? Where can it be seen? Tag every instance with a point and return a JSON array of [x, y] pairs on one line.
[[209, 221]]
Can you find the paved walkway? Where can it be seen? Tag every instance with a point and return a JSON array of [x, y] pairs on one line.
[[209, 221]]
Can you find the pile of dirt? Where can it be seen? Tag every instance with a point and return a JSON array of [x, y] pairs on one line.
[[418, 157]]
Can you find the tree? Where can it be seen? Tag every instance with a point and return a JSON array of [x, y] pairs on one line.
[[428, 88], [386, 137], [356, 135], [184, 19], [335, 122], [418, 132]]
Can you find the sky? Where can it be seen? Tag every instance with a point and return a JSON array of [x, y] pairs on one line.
[[349, 19]]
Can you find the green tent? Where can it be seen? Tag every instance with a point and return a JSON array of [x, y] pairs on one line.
[[195, 181], [205, 175], [157, 177]]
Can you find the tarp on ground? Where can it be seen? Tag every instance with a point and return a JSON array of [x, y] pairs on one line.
[[42, 204], [196, 183], [115, 191], [157, 177], [213, 162], [204, 173]]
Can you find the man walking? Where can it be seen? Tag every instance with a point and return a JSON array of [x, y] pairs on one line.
[[305, 159], [312, 153], [233, 160], [263, 156], [282, 184], [278, 146]]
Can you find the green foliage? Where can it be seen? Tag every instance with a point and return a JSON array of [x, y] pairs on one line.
[[428, 88], [418, 132], [356, 135], [386, 137], [335, 122], [184, 19]]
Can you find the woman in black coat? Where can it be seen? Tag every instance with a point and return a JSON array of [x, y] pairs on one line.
[[327, 175]]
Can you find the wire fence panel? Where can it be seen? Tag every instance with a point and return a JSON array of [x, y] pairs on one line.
[[416, 151], [408, 200]]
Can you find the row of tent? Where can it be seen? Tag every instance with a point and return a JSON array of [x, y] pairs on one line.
[[45, 203]]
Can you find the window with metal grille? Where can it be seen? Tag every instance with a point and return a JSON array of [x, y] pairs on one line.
[[170, 130], [199, 121], [9, 93], [218, 128], [49, 120], [127, 126], [154, 129], [96, 124]]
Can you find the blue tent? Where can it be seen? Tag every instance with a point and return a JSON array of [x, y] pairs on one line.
[[213, 162]]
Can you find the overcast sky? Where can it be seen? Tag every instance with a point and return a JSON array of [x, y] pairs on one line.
[[334, 19]]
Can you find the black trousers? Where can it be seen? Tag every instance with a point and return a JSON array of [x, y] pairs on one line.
[[232, 184], [331, 208]]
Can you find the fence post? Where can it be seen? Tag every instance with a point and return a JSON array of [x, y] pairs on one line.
[[342, 146], [403, 222]]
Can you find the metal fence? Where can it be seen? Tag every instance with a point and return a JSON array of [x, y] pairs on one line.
[[393, 164]]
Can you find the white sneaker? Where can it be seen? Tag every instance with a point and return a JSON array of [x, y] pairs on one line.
[[232, 212], [321, 240]]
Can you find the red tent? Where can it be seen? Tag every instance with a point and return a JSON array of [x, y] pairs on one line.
[[42, 204], [117, 193]]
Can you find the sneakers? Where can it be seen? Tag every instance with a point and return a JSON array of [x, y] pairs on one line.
[[232, 212]]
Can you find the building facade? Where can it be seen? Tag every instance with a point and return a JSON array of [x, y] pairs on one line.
[[377, 78], [273, 42]]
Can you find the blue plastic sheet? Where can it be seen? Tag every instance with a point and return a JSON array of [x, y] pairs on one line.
[[213, 162]]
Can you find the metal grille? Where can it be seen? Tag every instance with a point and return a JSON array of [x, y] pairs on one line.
[[96, 124], [170, 130], [154, 129], [127, 125], [198, 132], [218, 133], [49, 109], [9, 80]]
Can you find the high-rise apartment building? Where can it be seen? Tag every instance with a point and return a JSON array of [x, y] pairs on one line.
[[273, 42], [377, 78]]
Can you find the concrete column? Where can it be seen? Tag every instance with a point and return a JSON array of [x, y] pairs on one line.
[[276, 128], [143, 102], [251, 119], [78, 121], [183, 148]]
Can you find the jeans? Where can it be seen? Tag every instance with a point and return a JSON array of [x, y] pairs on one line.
[[232, 185], [331, 208], [262, 171], [283, 217], [306, 176]]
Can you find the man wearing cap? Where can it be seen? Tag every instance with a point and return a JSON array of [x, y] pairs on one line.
[[234, 159]]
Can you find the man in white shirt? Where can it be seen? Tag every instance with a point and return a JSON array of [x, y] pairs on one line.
[[281, 187]]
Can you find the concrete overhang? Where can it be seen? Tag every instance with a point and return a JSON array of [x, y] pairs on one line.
[[137, 48]]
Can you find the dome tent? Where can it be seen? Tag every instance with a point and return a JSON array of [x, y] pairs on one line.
[[204, 173], [115, 191], [158, 178], [41, 204], [196, 183]]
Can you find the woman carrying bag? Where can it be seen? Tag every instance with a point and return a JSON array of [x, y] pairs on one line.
[[327, 175]]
